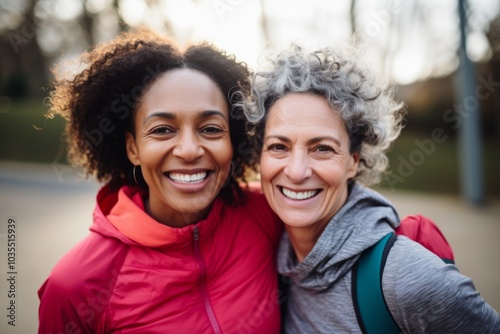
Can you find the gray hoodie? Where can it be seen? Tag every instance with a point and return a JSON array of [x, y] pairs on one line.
[[424, 294]]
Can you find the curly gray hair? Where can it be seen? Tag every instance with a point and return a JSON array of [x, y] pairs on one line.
[[372, 117]]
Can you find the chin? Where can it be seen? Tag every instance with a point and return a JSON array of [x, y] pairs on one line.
[[200, 203], [297, 224], [297, 221]]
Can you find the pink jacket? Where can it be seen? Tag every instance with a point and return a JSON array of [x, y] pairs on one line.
[[134, 275]]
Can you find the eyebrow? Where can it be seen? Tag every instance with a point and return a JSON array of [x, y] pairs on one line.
[[161, 114], [280, 138], [209, 113], [311, 141], [172, 116], [319, 139]]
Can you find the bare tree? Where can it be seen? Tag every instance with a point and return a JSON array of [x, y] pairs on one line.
[[264, 22], [25, 62], [352, 17]]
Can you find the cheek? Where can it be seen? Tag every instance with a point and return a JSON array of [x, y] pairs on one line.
[[153, 152], [336, 177]]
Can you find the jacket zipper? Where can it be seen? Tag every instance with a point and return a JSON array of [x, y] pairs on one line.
[[203, 287]]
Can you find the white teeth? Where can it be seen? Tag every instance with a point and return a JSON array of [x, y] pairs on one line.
[[299, 195], [188, 178]]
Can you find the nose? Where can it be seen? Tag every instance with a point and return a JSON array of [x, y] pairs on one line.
[[188, 147], [298, 168]]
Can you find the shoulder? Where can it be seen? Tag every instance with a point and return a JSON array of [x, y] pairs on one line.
[[255, 197], [413, 254], [257, 212], [256, 205], [425, 294], [88, 267], [412, 269], [76, 294]]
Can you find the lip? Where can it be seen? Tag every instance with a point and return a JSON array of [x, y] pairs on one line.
[[298, 202], [187, 186]]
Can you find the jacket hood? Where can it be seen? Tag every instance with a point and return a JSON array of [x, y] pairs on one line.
[[120, 214], [363, 220]]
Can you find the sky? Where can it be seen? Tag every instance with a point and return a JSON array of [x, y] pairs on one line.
[[421, 34], [404, 40]]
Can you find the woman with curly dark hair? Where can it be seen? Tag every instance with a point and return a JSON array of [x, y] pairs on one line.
[[176, 244]]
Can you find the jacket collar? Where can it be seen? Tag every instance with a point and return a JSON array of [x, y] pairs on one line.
[[120, 214]]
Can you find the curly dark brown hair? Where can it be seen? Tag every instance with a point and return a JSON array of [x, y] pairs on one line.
[[99, 103]]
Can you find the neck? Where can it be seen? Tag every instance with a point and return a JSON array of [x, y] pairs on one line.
[[304, 238]]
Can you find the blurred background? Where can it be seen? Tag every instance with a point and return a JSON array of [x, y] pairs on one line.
[[443, 58], [414, 44]]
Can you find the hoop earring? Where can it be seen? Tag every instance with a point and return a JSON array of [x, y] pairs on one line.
[[133, 173]]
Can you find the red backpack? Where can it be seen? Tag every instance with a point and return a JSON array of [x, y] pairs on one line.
[[425, 232], [368, 299]]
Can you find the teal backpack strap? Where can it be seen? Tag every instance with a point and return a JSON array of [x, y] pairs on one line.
[[369, 304]]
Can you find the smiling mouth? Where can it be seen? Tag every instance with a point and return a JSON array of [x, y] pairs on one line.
[[301, 195], [188, 178]]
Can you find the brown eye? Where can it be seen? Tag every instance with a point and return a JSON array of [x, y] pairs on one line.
[[324, 148], [161, 130], [211, 130], [276, 147]]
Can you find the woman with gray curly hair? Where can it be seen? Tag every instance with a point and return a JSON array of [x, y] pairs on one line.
[[322, 126]]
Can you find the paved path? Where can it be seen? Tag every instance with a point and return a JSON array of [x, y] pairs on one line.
[[52, 208]]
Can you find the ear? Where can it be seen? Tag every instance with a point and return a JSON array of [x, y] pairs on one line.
[[132, 151], [353, 165]]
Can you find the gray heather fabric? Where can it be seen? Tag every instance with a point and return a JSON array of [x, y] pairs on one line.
[[424, 294]]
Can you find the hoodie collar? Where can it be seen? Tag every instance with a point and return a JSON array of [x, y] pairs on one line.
[[121, 214], [363, 220]]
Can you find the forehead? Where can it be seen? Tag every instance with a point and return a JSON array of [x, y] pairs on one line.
[[300, 111], [184, 89]]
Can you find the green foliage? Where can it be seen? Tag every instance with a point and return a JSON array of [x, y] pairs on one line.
[[21, 141], [439, 170]]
